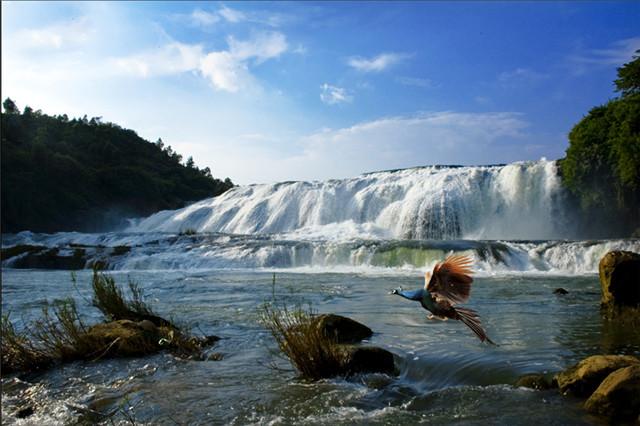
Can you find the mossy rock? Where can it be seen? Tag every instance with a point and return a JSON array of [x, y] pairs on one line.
[[584, 377], [342, 329], [618, 396], [620, 279], [125, 338], [535, 381]]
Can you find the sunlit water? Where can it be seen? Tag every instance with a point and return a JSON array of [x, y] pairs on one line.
[[446, 375]]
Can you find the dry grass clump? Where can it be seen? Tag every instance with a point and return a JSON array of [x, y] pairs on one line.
[[110, 300], [61, 336], [17, 351], [314, 354]]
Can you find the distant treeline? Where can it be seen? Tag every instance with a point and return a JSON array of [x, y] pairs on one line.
[[602, 165], [61, 174]]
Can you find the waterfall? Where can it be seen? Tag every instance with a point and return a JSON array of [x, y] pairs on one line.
[[515, 201]]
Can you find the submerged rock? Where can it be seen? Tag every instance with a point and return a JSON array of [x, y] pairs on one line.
[[369, 359], [560, 291], [534, 381], [618, 396], [24, 411], [584, 377], [342, 329], [620, 280]]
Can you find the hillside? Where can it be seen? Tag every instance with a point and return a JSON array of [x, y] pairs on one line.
[[61, 174]]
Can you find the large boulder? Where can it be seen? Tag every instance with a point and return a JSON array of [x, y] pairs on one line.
[[620, 279], [369, 359], [618, 396], [342, 329], [584, 377], [534, 381]]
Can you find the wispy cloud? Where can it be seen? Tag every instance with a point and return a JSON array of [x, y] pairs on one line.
[[232, 15], [617, 53], [332, 95], [262, 47], [227, 70], [208, 18], [424, 83], [520, 77], [376, 63], [202, 18], [61, 35]]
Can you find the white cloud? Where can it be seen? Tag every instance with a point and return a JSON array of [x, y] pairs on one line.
[[61, 35], [377, 63], [332, 95], [262, 47], [172, 58], [424, 83], [232, 15], [202, 18], [227, 70], [520, 76], [618, 53]]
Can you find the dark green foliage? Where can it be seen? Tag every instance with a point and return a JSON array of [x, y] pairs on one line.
[[80, 174], [602, 165], [628, 81]]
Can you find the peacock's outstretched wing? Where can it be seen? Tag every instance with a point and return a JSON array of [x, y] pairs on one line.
[[451, 280]]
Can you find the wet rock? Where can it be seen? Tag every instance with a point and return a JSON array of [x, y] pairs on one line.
[[618, 396], [50, 259], [534, 381], [215, 356], [584, 377], [342, 329], [24, 411], [148, 326], [620, 279], [363, 359], [10, 252], [560, 291]]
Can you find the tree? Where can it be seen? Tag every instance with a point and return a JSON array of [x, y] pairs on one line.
[[10, 107], [628, 81], [190, 164], [602, 163]]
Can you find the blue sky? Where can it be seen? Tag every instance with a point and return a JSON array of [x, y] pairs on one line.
[[264, 92]]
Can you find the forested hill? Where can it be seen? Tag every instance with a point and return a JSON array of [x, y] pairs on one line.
[[84, 175]]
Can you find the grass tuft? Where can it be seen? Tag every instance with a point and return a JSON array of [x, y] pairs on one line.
[[312, 353]]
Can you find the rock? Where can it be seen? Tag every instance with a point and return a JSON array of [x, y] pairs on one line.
[[363, 359], [24, 411], [534, 381], [620, 279], [342, 329], [10, 252], [215, 356], [560, 291], [618, 396], [148, 326], [50, 259], [123, 338], [583, 378]]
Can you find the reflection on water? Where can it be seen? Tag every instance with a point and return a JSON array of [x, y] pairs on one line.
[[446, 375]]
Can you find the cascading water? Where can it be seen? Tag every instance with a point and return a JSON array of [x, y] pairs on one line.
[[515, 201]]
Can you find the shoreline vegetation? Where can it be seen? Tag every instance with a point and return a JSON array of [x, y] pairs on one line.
[[81, 174], [130, 328]]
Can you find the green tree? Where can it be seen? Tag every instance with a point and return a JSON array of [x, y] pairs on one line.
[[10, 107], [628, 81], [602, 163]]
